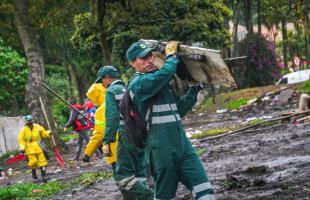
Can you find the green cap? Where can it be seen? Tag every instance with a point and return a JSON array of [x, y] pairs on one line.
[[107, 70], [28, 118], [138, 50]]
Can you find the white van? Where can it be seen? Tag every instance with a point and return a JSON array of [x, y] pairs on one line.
[[295, 77]]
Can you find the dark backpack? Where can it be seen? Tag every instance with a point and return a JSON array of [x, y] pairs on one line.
[[135, 125]]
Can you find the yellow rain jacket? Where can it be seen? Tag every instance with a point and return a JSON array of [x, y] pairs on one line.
[[29, 142], [96, 93]]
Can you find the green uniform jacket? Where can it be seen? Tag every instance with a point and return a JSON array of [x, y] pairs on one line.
[[114, 94], [167, 139]]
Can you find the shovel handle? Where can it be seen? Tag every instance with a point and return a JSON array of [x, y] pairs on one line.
[[47, 121]]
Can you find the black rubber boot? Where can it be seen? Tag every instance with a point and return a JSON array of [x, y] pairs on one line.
[[43, 174], [127, 195], [34, 174], [86, 158]]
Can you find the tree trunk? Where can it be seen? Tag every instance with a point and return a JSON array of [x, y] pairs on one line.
[[259, 22], [82, 88], [248, 16], [235, 43], [284, 37], [15, 106], [307, 31], [67, 64], [35, 63], [101, 8]]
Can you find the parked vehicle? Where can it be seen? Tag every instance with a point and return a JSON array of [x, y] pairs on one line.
[[295, 77]]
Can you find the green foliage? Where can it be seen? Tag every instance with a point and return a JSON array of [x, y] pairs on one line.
[[200, 151], [295, 43], [57, 79], [89, 178], [13, 79], [210, 132], [230, 100], [190, 21], [263, 67], [235, 104], [305, 87], [234, 127], [22, 191]]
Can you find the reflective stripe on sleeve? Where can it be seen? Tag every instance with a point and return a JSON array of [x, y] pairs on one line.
[[129, 182], [100, 123], [119, 96], [165, 119], [132, 95], [164, 107]]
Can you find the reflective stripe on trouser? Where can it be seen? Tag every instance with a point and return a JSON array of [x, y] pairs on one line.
[[130, 170], [188, 170], [36, 160]]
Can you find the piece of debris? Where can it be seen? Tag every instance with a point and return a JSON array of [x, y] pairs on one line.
[[285, 95], [9, 172], [221, 111], [250, 102], [36, 191], [303, 102]]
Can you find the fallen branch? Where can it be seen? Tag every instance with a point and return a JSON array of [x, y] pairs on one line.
[[254, 125]]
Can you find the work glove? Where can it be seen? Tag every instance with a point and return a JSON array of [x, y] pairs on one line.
[[200, 86], [107, 150], [171, 48]]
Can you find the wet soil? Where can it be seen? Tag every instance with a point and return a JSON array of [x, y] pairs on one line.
[[264, 163]]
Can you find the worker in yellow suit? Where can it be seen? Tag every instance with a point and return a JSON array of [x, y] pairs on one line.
[[96, 93], [28, 139]]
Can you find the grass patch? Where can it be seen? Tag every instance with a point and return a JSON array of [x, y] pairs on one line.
[[68, 137], [200, 151], [230, 100], [9, 154], [234, 127], [25, 190], [89, 178], [210, 132], [235, 104], [305, 87], [234, 99]]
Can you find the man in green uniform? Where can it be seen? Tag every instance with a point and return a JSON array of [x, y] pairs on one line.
[[168, 151], [130, 166]]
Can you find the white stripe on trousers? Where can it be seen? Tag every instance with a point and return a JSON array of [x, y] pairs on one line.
[[202, 187], [207, 197]]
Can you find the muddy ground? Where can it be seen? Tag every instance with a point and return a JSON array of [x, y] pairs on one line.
[[264, 163]]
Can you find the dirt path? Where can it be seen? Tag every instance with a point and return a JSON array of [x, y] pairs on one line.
[[272, 164]]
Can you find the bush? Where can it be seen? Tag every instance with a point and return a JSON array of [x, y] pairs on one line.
[[262, 65]]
